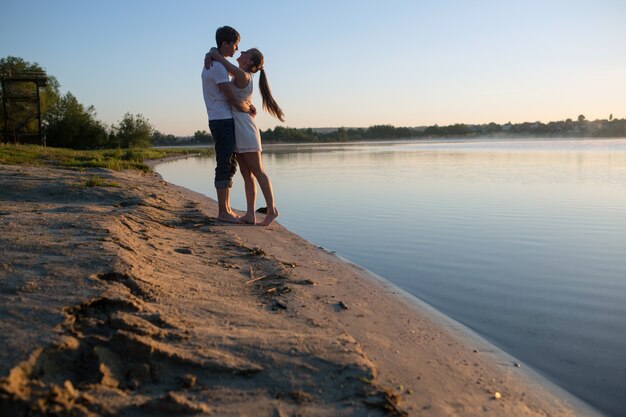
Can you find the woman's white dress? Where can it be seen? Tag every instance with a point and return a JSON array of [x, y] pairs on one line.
[[247, 135]]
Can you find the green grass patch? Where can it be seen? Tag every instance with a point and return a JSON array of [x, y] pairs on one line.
[[115, 159], [98, 181]]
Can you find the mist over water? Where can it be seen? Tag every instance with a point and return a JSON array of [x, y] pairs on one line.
[[523, 241]]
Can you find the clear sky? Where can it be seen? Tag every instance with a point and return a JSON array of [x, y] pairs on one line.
[[336, 63]]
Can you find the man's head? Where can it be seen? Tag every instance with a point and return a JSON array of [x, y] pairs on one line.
[[227, 40]]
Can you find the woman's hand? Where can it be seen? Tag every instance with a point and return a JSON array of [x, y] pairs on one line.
[[209, 57]]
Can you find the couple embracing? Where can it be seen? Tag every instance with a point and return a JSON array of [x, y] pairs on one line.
[[227, 90]]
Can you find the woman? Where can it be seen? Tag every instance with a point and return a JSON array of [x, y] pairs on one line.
[[247, 135]]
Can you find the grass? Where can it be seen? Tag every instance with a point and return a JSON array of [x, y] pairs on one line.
[[98, 181], [115, 159]]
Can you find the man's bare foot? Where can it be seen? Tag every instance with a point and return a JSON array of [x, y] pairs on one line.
[[229, 218], [269, 217], [249, 218]]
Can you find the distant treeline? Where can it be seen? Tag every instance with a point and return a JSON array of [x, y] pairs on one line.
[[201, 137], [67, 123], [567, 128], [289, 134]]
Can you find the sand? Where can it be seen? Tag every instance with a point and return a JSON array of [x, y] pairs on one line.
[[129, 298]]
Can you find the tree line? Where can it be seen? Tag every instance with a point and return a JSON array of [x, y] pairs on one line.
[[200, 137], [69, 124], [567, 128], [65, 121], [342, 134]]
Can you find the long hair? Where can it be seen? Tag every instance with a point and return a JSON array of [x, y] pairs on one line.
[[269, 104]]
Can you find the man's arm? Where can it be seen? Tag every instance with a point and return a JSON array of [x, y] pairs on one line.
[[228, 90]]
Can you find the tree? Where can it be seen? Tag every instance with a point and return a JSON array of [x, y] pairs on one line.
[[289, 134], [133, 131], [202, 136], [158, 138], [71, 125], [581, 118]]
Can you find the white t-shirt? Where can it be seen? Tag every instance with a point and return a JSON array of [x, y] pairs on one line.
[[217, 106]]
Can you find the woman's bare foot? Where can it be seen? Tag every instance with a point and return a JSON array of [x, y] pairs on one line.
[[249, 218], [229, 218], [269, 217]]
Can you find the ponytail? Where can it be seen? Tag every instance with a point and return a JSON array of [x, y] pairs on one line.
[[269, 104]]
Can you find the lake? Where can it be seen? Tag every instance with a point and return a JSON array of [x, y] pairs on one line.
[[523, 241]]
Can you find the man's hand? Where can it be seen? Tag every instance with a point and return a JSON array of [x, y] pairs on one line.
[[252, 111], [233, 99]]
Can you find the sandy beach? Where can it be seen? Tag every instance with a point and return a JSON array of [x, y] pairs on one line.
[[129, 298]]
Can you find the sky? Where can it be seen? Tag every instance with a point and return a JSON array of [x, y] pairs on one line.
[[335, 63]]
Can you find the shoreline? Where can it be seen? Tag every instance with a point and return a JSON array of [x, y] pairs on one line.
[[172, 310], [423, 140], [470, 337]]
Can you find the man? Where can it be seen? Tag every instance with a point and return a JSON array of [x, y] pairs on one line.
[[219, 95]]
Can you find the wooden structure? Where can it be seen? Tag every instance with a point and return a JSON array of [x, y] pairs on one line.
[[21, 104]]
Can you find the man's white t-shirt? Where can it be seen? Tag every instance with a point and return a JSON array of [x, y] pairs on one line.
[[217, 106]]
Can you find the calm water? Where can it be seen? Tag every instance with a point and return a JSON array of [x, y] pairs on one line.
[[522, 241]]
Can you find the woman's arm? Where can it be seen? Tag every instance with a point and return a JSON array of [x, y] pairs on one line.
[[241, 77]]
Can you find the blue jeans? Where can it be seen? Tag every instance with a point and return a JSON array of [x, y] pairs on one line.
[[223, 132]]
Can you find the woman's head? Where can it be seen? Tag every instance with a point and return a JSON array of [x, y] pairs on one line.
[[252, 60]]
